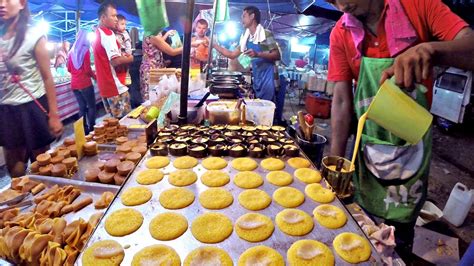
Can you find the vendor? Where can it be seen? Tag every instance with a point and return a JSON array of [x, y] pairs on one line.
[[374, 40], [259, 44], [200, 52]]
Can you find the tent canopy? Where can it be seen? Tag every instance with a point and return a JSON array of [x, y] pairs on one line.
[[278, 15]]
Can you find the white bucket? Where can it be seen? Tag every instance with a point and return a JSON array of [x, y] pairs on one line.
[[260, 111]]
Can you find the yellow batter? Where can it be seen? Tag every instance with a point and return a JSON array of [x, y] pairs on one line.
[[216, 198], [279, 178], [254, 199], [254, 227], [248, 179], [308, 175], [208, 256], [157, 162], [215, 178], [309, 252], [182, 178], [330, 216], [299, 162], [352, 247], [123, 222], [211, 227], [261, 255], [105, 252], [156, 255], [318, 193], [288, 197], [135, 196], [244, 164], [294, 222], [149, 177], [214, 163], [176, 198], [168, 226], [185, 162], [272, 164]]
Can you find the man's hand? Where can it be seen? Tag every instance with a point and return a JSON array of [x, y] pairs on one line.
[[414, 65], [251, 53]]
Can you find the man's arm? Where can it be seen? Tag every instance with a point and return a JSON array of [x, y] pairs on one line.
[[341, 114], [272, 55], [121, 60], [227, 53]]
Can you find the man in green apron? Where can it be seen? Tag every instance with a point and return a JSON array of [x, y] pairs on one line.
[[258, 45], [374, 40]]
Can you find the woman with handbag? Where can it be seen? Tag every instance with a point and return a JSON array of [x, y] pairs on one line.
[[29, 118]]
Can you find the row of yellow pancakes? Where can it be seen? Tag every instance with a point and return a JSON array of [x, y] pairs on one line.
[[216, 227]]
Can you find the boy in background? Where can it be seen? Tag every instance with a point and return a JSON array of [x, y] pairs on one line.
[[125, 44]]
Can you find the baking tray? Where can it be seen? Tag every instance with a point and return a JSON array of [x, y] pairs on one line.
[[233, 245], [133, 123]]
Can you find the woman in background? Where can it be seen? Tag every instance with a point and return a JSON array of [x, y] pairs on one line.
[[79, 65], [29, 118]]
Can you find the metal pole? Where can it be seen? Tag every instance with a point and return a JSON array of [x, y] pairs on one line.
[[183, 110], [315, 51], [78, 17], [209, 58]]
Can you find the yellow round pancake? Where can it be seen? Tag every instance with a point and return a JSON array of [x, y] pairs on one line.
[[168, 226], [157, 162], [299, 162], [244, 164], [105, 252], [330, 216], [176, 198], [211, 227], [254, 199], [254, 227], [123, 222], [135, 196], [309, 252], [288, 197], [149, 177], [318, 193], [215, 178], [279, 178], [294, 222], [216, 198], [248, 179], [352, 247], [208, 256], [214, 163], [308, 175], [261, 255], [156, 255], [272, 164], [182, 178], [185, 162]]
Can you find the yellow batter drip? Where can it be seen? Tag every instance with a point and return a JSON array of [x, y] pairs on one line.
[[360, 127]]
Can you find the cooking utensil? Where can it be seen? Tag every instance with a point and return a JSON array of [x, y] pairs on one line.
[[302, 124], [201, 102]]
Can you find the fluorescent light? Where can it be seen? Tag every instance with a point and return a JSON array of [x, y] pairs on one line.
[[91, 36], [43, 26], [222, 37], [231, 29], [49, 46], [300, 48]]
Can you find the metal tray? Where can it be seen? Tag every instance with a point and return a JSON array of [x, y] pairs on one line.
[[88, 189], [233, 245]]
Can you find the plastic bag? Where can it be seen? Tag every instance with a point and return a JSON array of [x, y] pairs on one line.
[[153, 15], [173, 98], [176, 41]]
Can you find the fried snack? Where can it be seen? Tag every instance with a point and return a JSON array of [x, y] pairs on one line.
[[104, 201], [73, 232], [32, 247]]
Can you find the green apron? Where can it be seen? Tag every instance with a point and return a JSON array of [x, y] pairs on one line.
[[391, 178]]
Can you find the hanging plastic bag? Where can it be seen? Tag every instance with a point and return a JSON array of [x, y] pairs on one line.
[[153, 16], [176, 41]]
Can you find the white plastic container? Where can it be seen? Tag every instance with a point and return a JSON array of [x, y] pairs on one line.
[[459, 204], [260, 111], [223, 112]]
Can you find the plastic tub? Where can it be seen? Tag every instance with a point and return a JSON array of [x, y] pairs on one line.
[[260, 111], [223, 112]]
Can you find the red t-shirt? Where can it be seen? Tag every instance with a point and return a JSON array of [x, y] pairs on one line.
[[431, 19], [81, 78], [105, 49]]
